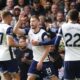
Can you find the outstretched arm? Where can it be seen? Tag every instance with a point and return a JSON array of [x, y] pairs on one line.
[[53, 41]]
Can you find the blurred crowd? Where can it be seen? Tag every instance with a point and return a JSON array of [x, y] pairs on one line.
[[52, 14], [43, 8]]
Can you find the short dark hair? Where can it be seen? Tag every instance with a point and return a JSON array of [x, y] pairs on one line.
[[5, 14], [73, 14], [35, 16], [23, 37]]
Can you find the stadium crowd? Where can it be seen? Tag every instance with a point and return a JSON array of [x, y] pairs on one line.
[[28, 32]]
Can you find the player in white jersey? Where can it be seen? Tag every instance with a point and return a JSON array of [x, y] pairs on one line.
[[41, 63], [37, 49], [71, 34], [8, 63]]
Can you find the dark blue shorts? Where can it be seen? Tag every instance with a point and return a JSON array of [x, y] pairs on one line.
[[71, 69], [10, 66], [48, 69]]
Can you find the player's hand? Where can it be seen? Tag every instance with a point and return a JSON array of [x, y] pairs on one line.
[[22, 16], [39, 66], [35, 43], [23, 59]]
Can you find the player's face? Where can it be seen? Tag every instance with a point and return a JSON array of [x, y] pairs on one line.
[[9, 19], [34, 23], [22, 42], [52, 48]]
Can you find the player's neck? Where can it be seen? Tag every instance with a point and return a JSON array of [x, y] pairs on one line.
[[36, 30], [70, 21], [6, 22]]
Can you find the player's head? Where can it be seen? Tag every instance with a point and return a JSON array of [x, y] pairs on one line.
[[34, 22], [52, 48], [7, 17], [73, 15], [23, 41]]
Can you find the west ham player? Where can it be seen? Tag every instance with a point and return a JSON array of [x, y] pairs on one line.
[[8, 65]]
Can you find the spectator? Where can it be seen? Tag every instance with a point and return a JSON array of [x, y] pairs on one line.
[[42, 22], [21, 3], [16, 13], [9, 5], [47, 8], [27, 10], [37, 9], [54, 10], [66, 6], [72, 5], [59, 20], [78, 5], [1, 4]]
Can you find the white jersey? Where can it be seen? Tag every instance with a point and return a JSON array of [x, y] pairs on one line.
[[71, 36], [37, 50], [4, 48]]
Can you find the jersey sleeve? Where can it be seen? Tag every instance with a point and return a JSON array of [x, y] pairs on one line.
[[45, 36], [48, 42], [9, 31], [58, 37], [54, 41], [26, 31]]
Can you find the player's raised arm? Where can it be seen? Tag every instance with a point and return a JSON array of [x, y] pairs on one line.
[[16, 28], [53, 41]]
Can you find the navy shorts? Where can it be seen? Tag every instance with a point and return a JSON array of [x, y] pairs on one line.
[[9, 66], [48, 69], [71, 69]]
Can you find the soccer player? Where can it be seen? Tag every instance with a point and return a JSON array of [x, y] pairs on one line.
[[71, 34], [40, 63], [8, 64]]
